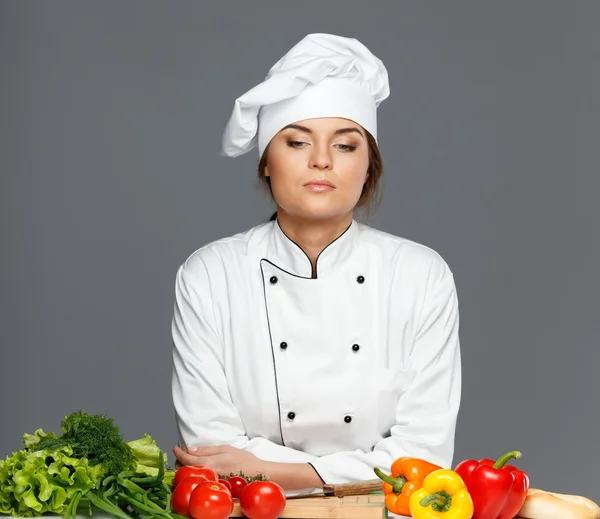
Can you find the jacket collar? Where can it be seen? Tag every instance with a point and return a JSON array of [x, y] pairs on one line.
[[289, 256]]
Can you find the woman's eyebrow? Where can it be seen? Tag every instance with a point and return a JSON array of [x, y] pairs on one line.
[[308, 130], [349, 130], [297, 127]]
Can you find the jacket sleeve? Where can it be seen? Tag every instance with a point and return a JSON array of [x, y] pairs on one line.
[[204, 411], [427, 412]]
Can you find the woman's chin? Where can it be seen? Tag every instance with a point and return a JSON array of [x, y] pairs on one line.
[[327, 212]]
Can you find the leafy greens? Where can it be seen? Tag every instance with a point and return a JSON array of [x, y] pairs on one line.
[[36, 482], [96, 438], [53, 474]]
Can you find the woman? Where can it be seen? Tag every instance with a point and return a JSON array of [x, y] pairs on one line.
[[313, 348]]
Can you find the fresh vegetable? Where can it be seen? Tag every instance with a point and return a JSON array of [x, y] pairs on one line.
[[96, 438], [37, 482], [498, 490], [262, 500], [407, 475], [226, 483], [146, 458], [239, 481], [215, 485], [249, 479], [129, 495], [443, 495], [211, 500], [194, 470], [237, 485], [54, 474], [183, 492]]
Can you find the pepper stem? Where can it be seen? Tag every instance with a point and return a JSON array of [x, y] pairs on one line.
[[503, 459], [396, 483], [439, 501]]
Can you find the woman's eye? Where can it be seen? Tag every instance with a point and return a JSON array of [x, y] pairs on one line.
[[295, 144], [346, 147]]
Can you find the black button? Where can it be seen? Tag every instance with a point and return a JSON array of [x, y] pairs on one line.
[[273, 279], [347, 419], [283, 345], [360, 279], [291, 415], [355, 347]]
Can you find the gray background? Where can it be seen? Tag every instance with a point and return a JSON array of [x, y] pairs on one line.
[[111, 117]]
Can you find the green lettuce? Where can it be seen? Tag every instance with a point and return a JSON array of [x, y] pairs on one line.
[[147, 453], [34, 483]]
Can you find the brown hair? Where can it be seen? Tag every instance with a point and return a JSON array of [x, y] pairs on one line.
[[371, 192]]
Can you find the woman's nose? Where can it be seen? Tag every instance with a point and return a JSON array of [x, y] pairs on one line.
[[320, 159]]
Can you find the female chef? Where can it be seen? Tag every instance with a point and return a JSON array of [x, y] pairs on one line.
[[312, 347]]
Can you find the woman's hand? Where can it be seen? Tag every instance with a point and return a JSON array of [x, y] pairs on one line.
[[223, 459]]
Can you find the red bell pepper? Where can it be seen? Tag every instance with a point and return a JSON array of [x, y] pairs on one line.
[[498, 490]]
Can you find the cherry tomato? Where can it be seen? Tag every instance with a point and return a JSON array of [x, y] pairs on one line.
[[211, 500], [262, 500], [237, 485], [193, 470], [180, 501], [226, 483]]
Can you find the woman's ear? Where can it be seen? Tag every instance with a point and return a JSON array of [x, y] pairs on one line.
[[266, 171]]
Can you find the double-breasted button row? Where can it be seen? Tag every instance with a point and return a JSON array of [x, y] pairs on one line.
[[283, 345], [291, 415], [359, 279]]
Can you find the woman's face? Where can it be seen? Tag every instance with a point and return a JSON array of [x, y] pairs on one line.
[[318, 167]]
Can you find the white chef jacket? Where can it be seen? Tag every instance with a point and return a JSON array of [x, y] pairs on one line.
[[347, 371]]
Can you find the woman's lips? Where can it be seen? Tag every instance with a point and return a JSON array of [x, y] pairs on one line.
[[319, 185]]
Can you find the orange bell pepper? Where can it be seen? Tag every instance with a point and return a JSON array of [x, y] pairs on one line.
[[407, 475]]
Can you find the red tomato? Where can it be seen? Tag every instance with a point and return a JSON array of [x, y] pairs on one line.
[[226, 483], [180, 501], [237, 485], [211, 500], [262, 500], [193, 470]]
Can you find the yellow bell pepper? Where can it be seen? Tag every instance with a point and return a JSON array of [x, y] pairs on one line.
[[443, 495]]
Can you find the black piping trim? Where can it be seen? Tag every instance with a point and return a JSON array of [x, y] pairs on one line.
[[283, 270], [320, 477], [317, 260], [273, 354], [301, 249]]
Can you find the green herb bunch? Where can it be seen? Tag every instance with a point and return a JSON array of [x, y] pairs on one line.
[[94, 437]]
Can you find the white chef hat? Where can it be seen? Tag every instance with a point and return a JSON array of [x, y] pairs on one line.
[[323, 75]]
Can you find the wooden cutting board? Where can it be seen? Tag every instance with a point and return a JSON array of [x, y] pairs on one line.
[[350, 507]]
